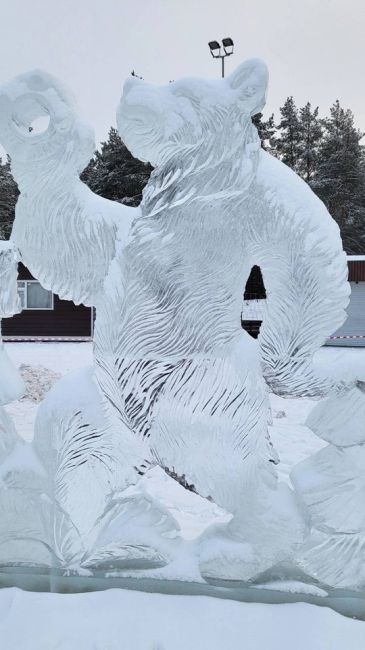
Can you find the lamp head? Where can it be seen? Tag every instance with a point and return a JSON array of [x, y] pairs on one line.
[[215, 49], [228, 46]]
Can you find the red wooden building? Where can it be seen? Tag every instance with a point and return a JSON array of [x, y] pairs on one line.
[[45, 316]]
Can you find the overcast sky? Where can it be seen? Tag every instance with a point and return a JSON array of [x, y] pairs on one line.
[[314, 48]]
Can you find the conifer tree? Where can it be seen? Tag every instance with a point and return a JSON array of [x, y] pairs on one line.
[[339, 179], [265, 130], [8, 197], [288, 135], [311, 132], [115, 174]]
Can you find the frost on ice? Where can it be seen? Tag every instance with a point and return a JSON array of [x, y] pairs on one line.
[[176, 382]]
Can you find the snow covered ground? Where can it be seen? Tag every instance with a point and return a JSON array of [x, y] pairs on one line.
[[60, 358], [129, 620], [126, 620]]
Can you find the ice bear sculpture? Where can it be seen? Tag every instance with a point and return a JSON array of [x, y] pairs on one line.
[[199, 136], [180, 383]]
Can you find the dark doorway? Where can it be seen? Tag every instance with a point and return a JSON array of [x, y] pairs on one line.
[[252, 306]]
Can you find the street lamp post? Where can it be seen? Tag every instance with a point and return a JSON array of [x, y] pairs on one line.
[[216, 50]]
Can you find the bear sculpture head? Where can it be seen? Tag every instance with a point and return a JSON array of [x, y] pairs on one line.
[[156, 121]]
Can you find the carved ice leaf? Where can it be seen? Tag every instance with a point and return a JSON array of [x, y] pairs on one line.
[[8, 435], [135, 521], [332, 485], [25, 529], [335, 559], [74, 442], [340, 419]]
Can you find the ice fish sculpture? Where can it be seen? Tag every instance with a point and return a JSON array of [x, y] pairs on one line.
[[180, 383]]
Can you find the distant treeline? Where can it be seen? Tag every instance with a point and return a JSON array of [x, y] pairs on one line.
[[325, 152]]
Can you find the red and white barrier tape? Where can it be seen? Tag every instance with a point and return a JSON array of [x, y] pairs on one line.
[[348, 336]]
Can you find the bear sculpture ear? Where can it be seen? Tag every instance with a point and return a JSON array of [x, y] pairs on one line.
[[250, 81]]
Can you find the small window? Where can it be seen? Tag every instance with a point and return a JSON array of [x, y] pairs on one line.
[[33, 296], [22, 292]]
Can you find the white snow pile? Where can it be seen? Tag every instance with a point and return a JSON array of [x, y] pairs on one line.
[[38, 381]]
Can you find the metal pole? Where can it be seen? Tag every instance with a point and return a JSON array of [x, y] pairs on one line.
[[222, 67]]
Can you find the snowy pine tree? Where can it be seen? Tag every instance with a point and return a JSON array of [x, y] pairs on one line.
[[115, 174], [311, 131], [8, 197], [266, 131], [288, 137], [339, 180]]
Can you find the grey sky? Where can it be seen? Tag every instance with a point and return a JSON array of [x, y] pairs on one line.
[[314, 48]]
